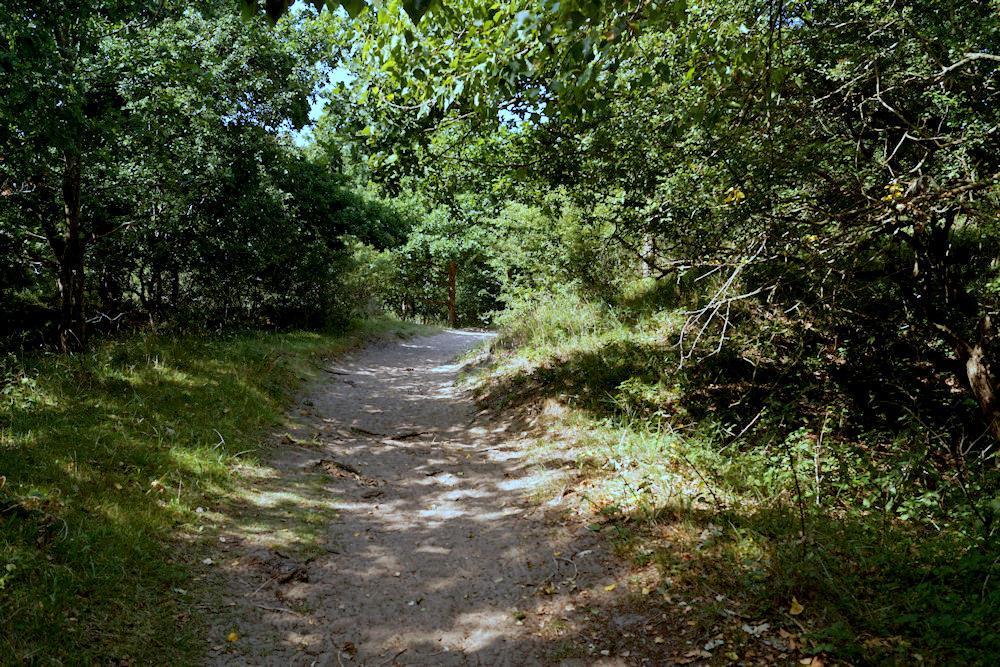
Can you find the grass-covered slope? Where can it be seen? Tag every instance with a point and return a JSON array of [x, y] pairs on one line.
[[104, 459], [763, 493]]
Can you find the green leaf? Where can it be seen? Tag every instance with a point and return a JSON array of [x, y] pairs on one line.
[[353, 7], [416, 9], [275, 9], [248, 8]]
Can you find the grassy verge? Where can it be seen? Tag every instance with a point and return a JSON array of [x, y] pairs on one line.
[[791, 532], [104, 459]]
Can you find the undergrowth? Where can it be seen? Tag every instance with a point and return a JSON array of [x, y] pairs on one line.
[[104, 459], [766, 489]]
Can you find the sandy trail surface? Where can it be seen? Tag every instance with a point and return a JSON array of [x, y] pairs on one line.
[[395, 525]]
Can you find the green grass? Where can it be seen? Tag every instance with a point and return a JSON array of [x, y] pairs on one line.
[[717, 515], [104, 458]]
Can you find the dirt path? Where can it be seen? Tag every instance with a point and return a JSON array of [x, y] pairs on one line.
[[395, 527]]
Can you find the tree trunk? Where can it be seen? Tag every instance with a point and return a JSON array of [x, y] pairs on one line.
[[648, 256], [978, 374], [940, 293], [982, 383], [72, 322], [175, 288], [452, 292]]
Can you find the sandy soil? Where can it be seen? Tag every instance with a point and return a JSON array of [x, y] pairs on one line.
[[396, 526]]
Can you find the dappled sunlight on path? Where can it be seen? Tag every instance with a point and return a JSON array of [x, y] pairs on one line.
[[397, 529]]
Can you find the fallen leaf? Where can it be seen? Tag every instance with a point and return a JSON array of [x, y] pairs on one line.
[[713, 644], [610, 587], [791, 639], [756, 630], [697, 653]]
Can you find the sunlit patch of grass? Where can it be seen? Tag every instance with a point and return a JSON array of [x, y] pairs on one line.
[[292, 520], [104, 457], [568, 649]]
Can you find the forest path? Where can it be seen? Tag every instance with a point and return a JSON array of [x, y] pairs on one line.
[[394, 527]]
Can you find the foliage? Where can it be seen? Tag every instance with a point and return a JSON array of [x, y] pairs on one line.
[[812, 154], [205, 215], [275, 9], [810, 180]]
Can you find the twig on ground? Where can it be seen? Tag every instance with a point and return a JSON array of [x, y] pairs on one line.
[[258, 589], [576, 570], [281, 609], [386, 662], [718, 504], [337, 464]]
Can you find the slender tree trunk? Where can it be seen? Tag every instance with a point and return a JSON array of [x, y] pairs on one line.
[[942, 292], [452, 293], [979, 376], [983, 386], [648, 255], [175, 288], [72, 320]]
